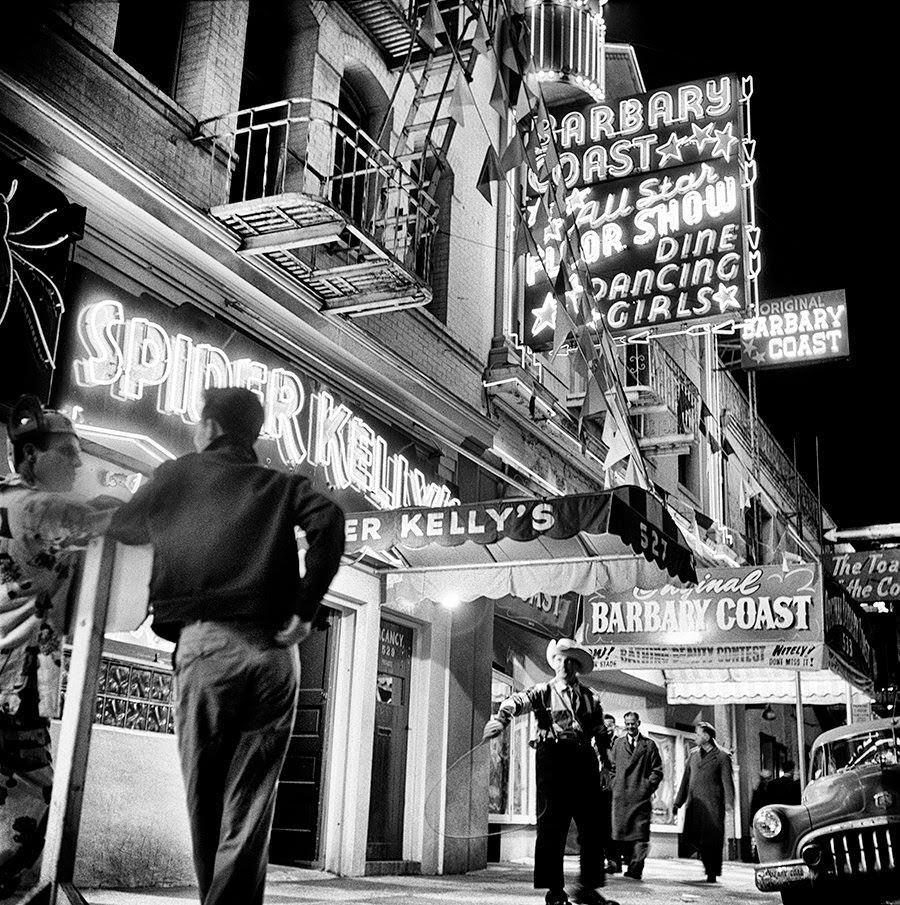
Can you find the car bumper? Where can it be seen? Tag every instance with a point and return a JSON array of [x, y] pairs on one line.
[[781, 874]]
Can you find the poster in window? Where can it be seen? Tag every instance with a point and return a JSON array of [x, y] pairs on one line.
[[664, 797]]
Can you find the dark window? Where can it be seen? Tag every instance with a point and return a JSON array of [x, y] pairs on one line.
[[148, 36]]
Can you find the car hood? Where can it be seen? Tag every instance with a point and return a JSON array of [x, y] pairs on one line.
[[852, 795], [872, 791]]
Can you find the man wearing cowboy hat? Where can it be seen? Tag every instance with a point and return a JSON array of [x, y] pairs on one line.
[[568, 716]]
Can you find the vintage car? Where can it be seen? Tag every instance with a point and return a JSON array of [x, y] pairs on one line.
[[844, 836]]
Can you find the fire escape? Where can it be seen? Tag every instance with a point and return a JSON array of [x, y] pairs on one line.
[[349, 216], [663, 398]]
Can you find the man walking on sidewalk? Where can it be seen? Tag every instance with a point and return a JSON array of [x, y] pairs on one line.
[[707, 788], [226, 586], [637, 772]]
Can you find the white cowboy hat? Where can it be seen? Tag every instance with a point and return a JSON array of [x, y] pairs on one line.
[[567, 648]]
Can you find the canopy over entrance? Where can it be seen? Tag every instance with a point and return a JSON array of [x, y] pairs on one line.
[[753, 686], [524, 547]]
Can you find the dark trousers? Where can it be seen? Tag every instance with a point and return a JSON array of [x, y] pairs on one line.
[[711, 856], [236, 699], [633, 855], [568, 787]]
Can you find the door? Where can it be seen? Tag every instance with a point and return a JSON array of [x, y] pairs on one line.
[[388, 795], [298, 804]]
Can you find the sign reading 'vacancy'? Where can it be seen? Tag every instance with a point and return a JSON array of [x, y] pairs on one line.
[[799, 330]]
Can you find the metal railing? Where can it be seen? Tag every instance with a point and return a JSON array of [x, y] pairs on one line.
[[773, 458], [649, 366], [303, 146]]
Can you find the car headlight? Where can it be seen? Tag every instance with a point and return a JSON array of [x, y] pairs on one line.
[[768, 823]]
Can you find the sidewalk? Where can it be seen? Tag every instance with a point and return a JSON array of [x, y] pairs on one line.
[[665, 882]]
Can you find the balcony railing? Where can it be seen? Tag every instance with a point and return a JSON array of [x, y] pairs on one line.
[[322, 199], [656, 385], [773, 458]]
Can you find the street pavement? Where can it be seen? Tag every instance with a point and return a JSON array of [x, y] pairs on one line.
[[666, 882]]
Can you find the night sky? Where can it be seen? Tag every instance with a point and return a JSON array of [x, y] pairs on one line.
[[820, 116]]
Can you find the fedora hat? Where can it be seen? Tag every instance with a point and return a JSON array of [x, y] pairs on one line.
[[567, 648]]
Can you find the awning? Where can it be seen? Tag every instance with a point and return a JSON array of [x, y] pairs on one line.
[[544, 545], [752, 686]]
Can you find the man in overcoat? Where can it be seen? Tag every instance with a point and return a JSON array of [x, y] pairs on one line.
[[637, 772], [569, 716], [707, 789]]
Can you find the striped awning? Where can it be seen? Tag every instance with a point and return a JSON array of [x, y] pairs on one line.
[[531, 531]]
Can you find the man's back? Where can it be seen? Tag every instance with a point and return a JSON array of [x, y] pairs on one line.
[[222, 529]]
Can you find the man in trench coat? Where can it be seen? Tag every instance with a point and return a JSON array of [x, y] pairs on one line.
[[637, 771], [707, 788]]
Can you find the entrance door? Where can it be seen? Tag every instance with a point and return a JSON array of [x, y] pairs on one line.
[[295, 831], [388, 796]]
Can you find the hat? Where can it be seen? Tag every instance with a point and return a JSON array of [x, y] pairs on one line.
[[708, 727], [570, 649], [29, 419]]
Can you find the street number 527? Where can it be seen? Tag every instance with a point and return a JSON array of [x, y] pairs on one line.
[[653, 542]]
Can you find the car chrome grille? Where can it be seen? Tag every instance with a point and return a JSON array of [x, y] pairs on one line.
[[868, 850]]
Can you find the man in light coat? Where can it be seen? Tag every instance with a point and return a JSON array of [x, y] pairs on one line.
[[707, 788], [637, 771]]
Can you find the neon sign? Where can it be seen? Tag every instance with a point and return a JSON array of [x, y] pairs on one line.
[[798, 330], [659, 250], [151, 368], [666, 128], [659, 211]]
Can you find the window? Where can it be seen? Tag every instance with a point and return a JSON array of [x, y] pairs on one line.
[[513, 787], [148, 37]]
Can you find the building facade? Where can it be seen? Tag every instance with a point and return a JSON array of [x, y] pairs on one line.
[[288, 196]]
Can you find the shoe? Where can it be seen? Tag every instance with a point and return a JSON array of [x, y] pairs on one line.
[[556, 897], [613, 868], [591, 897], [632, 875], [711, 878]]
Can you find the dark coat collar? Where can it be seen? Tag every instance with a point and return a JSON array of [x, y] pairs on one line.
[[227, 447]]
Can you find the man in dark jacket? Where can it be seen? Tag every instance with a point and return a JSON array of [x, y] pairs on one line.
[[707, 788], [226, 586], [637, 772], [785, 789], [568, 716]]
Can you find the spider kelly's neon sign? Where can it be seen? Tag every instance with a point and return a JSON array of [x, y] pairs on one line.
[[137, 358]]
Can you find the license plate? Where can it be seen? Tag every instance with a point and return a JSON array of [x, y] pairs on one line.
[[770, 877]]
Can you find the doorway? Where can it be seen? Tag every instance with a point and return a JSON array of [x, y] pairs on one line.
[[296, 830], [388, 793]]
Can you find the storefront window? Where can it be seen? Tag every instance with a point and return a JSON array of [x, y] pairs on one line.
[[512, 779]]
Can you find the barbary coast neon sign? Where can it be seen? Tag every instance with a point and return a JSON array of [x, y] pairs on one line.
[[796, 331], [608, 142], [135, 356], [658, 212]]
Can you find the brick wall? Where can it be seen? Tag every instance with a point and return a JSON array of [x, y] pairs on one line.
[[212, 56], [109, 99], [98, 20]]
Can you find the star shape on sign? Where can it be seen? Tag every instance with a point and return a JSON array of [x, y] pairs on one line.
[[701, 137], [672, 148], [577, 199], [726, 298], [553, 230], [533, 211], [754, 353], [545, 316], [725, 138]]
